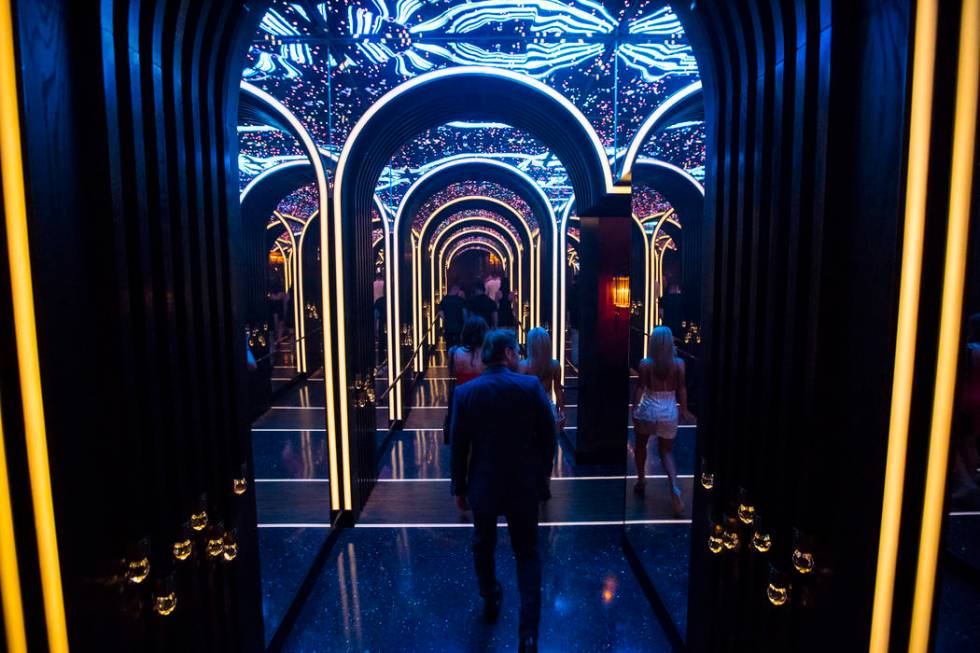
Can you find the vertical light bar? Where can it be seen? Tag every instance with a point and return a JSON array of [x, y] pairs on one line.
[[655, 266], [10, 599], [25, 330], [292, 280], [646, 280], [957, 236], [395, 354], [920, 123], [391, 323]]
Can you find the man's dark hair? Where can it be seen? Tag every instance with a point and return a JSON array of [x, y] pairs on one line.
[[478, 288], [495, 346]]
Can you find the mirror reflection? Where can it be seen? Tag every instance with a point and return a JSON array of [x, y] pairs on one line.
[[285, 362], [665, 343]]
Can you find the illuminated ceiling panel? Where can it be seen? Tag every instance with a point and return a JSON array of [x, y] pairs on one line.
[[329, 61], [469, 189]]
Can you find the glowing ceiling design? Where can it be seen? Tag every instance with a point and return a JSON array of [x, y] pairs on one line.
[[329, 61]]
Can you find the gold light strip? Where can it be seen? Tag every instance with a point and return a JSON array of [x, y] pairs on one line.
[[294, 264], [920, 123], [21, 286], [957, 236], [13, 609]]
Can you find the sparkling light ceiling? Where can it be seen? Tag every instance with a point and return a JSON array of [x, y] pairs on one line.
[[329, 61]]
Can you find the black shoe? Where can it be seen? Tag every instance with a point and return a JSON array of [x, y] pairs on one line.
[[529, 644], [491, 605]]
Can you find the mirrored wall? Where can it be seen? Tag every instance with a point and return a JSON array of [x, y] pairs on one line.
[[665, 371]]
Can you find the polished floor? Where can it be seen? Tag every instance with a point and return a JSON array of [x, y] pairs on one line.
[[402, 579]]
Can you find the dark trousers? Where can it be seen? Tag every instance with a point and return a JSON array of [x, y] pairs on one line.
[[523, 528]]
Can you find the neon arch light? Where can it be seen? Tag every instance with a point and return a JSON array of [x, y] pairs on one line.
[[609, 187], [469, 247], [528, 184], [515, 269], [437, 262], [652, 123], [506, 210]]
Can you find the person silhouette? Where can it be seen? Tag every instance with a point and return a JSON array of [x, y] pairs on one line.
[[503, 442]]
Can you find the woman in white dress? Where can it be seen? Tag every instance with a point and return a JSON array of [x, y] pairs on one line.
[[661, 398]]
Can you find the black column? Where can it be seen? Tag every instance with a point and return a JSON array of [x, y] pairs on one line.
[[603, 335]]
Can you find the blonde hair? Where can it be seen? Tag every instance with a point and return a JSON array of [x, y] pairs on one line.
[[538, 350], [662, 351]]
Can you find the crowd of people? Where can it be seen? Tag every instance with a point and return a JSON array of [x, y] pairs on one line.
[[504, 416], [491, 299]]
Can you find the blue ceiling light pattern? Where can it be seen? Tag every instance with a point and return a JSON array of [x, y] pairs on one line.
[[329, 61], [682, 145], [459, 140], [262, 147]]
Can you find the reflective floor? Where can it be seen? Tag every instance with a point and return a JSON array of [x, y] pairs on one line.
[[412, 589], [402, 580]]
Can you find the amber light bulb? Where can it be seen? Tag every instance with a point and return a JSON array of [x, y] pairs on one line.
[[239, 485], [762, 542], [164, 604], [138, 570], [229, 550], [746, 513], [715, 539], [199, 520], [778, 595], [216, 546], [729, 539], [183, 549], [802, 561]]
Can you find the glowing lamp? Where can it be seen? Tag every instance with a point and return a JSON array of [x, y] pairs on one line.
[[621, 292]]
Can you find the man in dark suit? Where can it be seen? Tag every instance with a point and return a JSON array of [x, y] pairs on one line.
[[503, 436]]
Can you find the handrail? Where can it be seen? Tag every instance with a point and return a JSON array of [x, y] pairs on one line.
[[411, 359], [273, 351], [682, 353]]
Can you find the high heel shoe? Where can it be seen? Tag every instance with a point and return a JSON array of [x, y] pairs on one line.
[[675, 497]]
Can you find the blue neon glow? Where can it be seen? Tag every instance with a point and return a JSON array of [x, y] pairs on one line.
[[544, 16]]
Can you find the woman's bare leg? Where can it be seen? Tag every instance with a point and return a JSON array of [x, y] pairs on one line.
[[642, 436], [666, 449]]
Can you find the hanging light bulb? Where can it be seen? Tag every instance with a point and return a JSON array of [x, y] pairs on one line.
[[778, 587], [183, 548], [199, 520], [165, 604], [229, 549], [716, 539], [803, 561]]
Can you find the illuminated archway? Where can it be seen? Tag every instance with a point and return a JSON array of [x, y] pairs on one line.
[[430, 100], [480, 169]]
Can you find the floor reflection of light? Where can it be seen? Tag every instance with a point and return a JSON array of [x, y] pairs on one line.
[[401, 459], [352, 559], [609, 589], [344, 608]]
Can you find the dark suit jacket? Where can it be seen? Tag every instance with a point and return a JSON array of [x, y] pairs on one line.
[[503, 437]]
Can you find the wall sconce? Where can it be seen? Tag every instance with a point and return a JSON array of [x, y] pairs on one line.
[[621, 292]]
